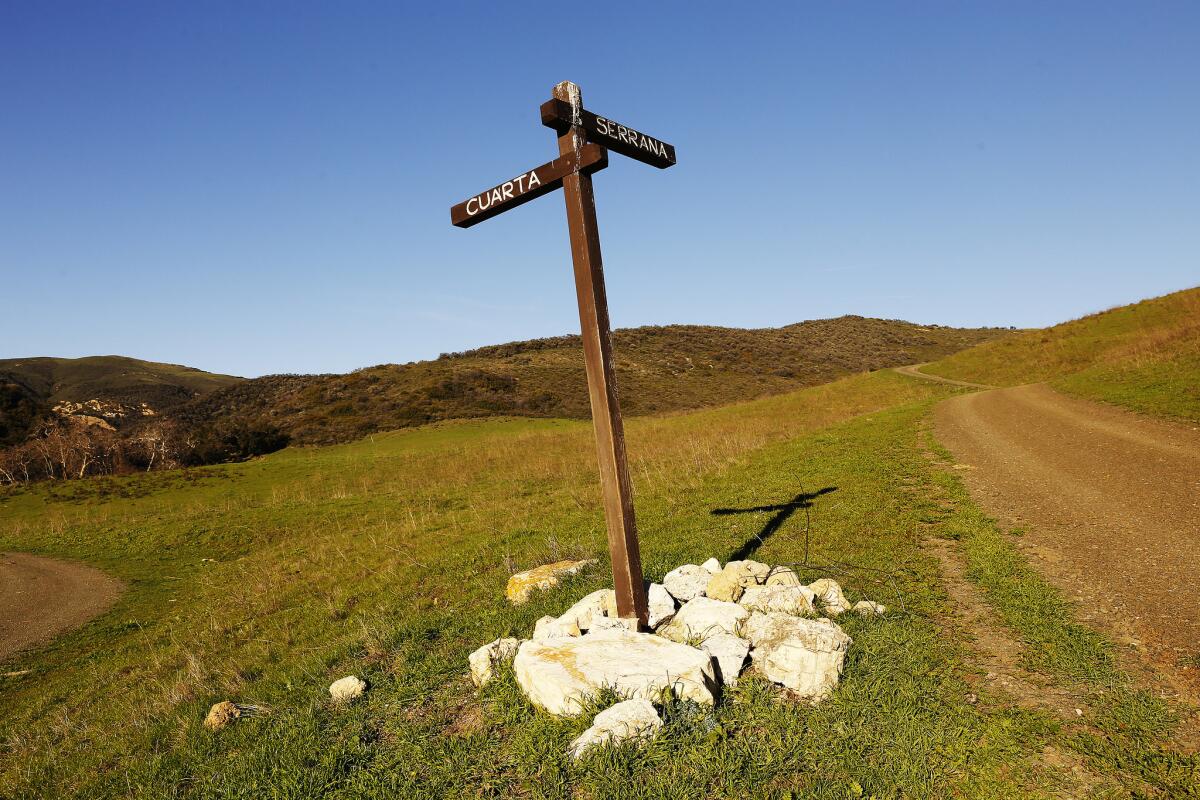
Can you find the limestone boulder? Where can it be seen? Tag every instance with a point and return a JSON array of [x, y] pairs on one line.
[[783, 599], [703, 617], [783, 576], [554, 628], [751, 573], [605, 625], [557, 675], [485, 660], [686, 582], [349, 688], [829, 593], [661, 605], [712, 565], [726, 585], [523, 584], [805, 655], [625, 721], [591, 607], [729, 653]]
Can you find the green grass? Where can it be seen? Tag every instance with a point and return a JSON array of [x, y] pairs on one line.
[[263, 581], [1144, 356]]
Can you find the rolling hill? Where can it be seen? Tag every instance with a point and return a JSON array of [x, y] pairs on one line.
[[659, 369], [1144, 356], [30, 387]]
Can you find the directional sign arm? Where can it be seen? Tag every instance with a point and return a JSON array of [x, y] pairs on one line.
[[557, 114], [523, 188]]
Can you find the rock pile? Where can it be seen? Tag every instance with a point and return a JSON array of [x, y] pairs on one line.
[[705, 620]]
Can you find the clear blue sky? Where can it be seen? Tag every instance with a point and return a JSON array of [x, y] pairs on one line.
[[264, 187]]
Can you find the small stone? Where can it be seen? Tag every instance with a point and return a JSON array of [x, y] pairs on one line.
[[523, 584], [726, 585], [783, 576], [483, 662], [805, 655], [221, 714], [346, 689], [661, 605], [729, 652], [704, 617], [869, 608], [686, 582], [829, 592], [590, 607], [712, 565], [558, 675], [629, 719], [553, 628], [784, 599]]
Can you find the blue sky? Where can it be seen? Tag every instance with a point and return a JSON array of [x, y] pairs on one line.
[[264, 187]]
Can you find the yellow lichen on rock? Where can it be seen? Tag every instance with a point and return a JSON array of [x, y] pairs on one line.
[[521, 585]]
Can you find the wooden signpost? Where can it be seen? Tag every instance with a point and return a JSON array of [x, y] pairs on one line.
[[583, 141]]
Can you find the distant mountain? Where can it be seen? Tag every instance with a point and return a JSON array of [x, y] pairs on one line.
[[658, 369], [106, 387]]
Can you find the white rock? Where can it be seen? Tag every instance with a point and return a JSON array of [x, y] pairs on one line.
[[484, 660], [783, 576], [347, 689], [869, 608], [784, 599], [661, 605], [712, 565], [829, 592], [703, 617], [523, 584], [805, 655], [604, 625], [629, 719], [558, 675], [686, 582], [554, 628], [752, 573], [729, 652], [591, 607]]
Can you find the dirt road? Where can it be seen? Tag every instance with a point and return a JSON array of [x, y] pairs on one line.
[[42, 597], [914, 371], [1110, 502]]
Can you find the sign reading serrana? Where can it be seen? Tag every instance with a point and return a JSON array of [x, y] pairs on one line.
[[613, 135]]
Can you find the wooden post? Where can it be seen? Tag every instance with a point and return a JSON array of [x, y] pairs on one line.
[[597, 353]]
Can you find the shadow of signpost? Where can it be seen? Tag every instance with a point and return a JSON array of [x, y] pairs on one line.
[[782, 513]]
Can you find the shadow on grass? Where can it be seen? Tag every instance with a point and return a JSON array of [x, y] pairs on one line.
[[783, 512]]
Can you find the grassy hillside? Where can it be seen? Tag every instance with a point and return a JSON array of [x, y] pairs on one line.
[[659, 369], [1144, 356], [263, 581], [115, 378]]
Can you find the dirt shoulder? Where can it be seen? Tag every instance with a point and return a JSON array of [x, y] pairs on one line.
[[42, 597], [1110, 505]]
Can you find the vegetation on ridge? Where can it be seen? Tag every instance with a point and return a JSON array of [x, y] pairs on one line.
[[1144, 356]]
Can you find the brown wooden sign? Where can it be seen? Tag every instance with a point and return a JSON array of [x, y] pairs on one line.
[[525, 187], [557, 114], [582, 139]]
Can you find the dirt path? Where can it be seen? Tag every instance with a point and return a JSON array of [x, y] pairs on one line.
[[914, 371], [42, 597], [1110, 502]]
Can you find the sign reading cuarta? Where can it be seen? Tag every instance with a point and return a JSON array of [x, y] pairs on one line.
[[527, 186], [613, 135], [582, 139]]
